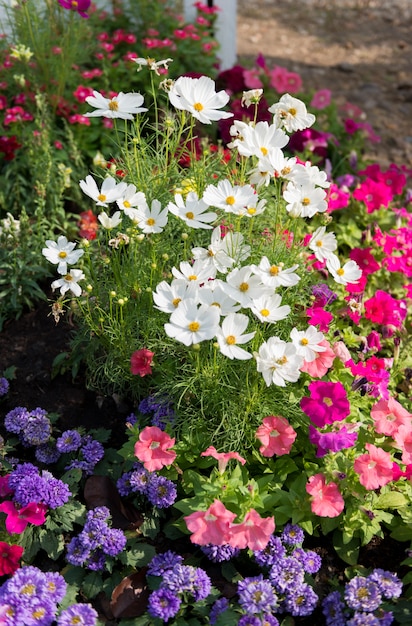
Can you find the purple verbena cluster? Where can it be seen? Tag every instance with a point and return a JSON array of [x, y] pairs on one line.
[[29, 484], [31, 596], [180, 584], [97, 541], [361, 601], [160, 491], [32, 427]]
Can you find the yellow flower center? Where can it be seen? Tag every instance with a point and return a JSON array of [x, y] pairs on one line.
[[62, 254], [28, 589], [198, 106], [340, 272], [306, 201], [68, 278], [243, 287], [264, 312], [101, 197], [150, 221], [251, 210], [282, 360], [75, 620], [285, 171], [292, 111], [113, 105], [231, 340], [176, 301], [192, 277], [190, 215], [230, 200], [327, 401], [304, 342], [127, 204], [264, 150], [193, 327], [274, 270], [319, 243], [39, 613]]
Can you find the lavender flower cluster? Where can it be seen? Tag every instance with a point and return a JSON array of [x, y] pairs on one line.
[[4, 386], [180, 584], [31, 485], [159, 490], [31, 596], [97, 541], [360, 604], [160, 409], [34, 429]]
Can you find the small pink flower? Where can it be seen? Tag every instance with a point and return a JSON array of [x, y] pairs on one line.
[[403, 438], [375, 468], [328, 403], [321, 99], [210, 526], [223, 458], [152, 449], [341, 351], [253, 533], [322, 362], [326, 500], [276, 435], [18, 519], [140, 362]]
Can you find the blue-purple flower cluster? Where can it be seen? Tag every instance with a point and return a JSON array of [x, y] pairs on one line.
[[97, 541], [284, 588], [4, 386], [159, 490], [360, 603], [89, 451], [29, 484], [32, 427], [160, 409], [32, 597], [180, 584]]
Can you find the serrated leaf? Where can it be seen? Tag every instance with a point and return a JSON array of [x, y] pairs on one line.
[[92, 584]]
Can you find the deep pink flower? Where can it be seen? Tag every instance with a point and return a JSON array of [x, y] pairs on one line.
[[140, 362], [322, 362], [326, 499], [319, 317], [253, 533], [276, 435], [81, 93], [321, 99], [338, 198], [328, 403], [223, 458], [373, 194], [210, 526], [374, 467], [9, 558], [80, 6], [388, 415], [18, 519], [383, 309], [153, 448], [398, 473], [365, 259], [331, 441], [373, 341]]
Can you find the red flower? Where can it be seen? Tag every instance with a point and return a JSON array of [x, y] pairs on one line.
[[88, 225], [140, 362], [9, 558], [153, 448]]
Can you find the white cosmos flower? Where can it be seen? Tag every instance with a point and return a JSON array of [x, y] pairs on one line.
[[215, 254], [348, 273], [230, 198], [153, 65], [193, 211], [231, 334], [243, 286], [269, 309], [168, 297], [291, 113], [274, 165], [123, 106], [278, 362], [322, 244], [191, 324], [110, 190], [213, 293], [69, 282], [153, 219], [110, 222], [304, 200], [131, 199], [256, 207], [198, 96], [235, 248], [307, 342], [62, 253], [197, 273], [274, 275], [309, 174], [257, 140]]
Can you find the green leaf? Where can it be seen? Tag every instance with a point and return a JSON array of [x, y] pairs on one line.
[[52, 544], [348, 551], [391, 500], [92, 584]]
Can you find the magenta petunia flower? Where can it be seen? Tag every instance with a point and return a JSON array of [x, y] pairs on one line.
[[328, 403], [332, 441], [383, 309], [18, 519], [80, 6]]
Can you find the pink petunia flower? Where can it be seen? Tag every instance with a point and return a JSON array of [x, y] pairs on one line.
[[223, 458], [383, 309], [388, 415], [326, 498], [373, 194], [210, 526], [403, 438], [253, 533], [276, 435], [375, 468], [322, 363], [18, 519], [321, 99], [153, 448], [140, 362], [9, 558], [328, 403]]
